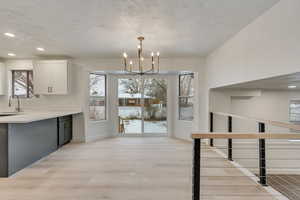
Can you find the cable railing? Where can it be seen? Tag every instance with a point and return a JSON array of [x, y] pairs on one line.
[[261, 122], [238, 170], [217, 161]]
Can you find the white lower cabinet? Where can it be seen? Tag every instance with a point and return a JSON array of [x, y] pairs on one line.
[[51, 77]]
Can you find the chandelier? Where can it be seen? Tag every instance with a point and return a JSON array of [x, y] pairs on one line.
[[140, 62]]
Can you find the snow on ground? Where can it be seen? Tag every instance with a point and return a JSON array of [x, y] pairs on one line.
[[126, 111], [135, 126]]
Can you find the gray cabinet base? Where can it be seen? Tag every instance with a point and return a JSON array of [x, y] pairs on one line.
[[25, 144]]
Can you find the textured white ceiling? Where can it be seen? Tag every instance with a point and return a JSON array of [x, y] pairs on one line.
[[274, 83], [105, 28]]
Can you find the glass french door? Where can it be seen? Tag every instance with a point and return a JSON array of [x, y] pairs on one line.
[[142, 108]]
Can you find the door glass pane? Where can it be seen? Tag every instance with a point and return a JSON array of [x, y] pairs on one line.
[[155, 110], [130, 105]]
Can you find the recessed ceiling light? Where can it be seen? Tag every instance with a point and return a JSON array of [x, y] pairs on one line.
[[292, 86], [9, 35], [11, 54], [40, 49]]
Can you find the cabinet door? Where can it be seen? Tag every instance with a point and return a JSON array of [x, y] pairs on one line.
[[61, 133], [68, 131], [41, 77], [59, 82], [2, 79], [51, 77]]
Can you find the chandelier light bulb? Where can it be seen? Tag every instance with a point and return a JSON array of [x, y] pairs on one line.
[[130, 62], [142, 58], [125, 55], [139, 46], [152, 53], [157, 53]]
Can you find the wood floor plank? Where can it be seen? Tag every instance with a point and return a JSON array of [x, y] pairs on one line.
[[128, 169]]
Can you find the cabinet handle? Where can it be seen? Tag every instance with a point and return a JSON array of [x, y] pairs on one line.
[[50, 89]]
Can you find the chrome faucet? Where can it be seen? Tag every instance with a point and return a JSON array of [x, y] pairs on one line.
[[18, 108]]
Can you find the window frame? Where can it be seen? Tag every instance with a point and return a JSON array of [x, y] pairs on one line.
[[27, 71], [180, 96], [105, 96]]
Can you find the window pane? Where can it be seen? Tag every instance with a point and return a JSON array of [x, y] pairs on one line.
[[186, 85], [97, 104], [97, 85], [186, 93], [23, 83], [295, 111], [97, 108], [186, 108], [20, 83], [30, 84]]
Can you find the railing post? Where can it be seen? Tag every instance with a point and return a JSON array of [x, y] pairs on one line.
[[211, 127], [229, 151], [196, 169], [262, 157]]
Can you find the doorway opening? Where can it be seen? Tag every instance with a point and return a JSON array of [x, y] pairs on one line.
[[142, 106]]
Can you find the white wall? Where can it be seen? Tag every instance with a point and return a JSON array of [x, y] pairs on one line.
[[272, 104], [267, 47]]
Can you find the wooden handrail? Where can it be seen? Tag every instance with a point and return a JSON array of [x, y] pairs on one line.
[[228, 135], [270, 122]]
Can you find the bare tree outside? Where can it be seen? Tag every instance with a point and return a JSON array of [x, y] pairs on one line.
[[97, 101], [22, 83], [186, 94]]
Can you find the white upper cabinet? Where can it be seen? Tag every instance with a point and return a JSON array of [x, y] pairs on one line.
[[2, 79], [50, 77]]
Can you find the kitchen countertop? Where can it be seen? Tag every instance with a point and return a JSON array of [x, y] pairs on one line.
[[31, 116]]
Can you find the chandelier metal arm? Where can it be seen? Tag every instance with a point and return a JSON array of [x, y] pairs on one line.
[[140, 61]]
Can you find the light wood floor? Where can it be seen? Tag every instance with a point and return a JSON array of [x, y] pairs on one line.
[[128, 169]]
